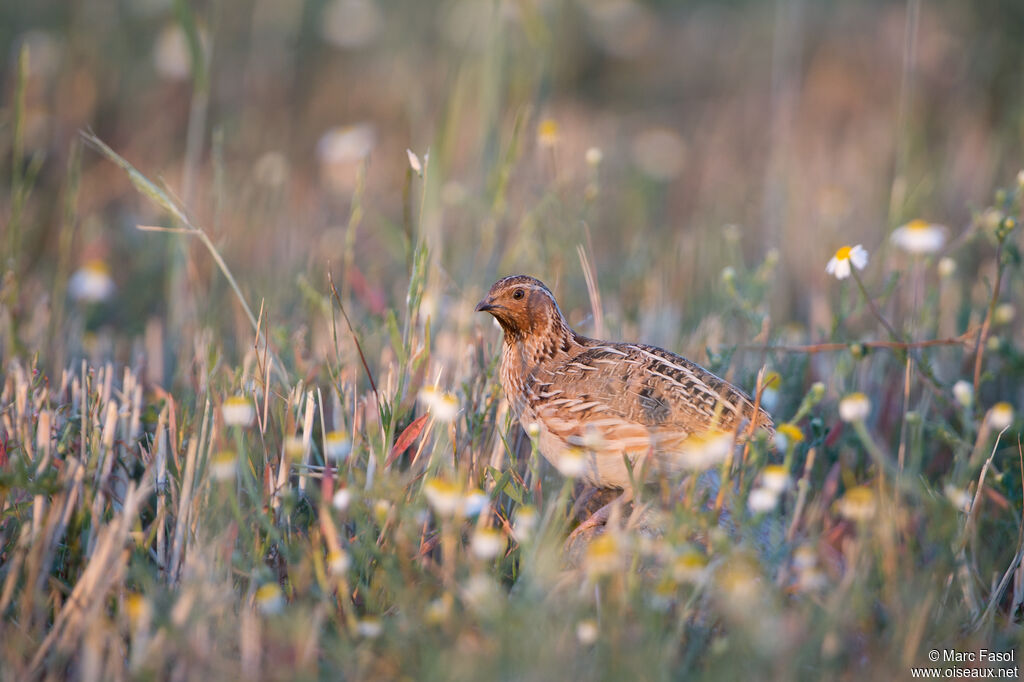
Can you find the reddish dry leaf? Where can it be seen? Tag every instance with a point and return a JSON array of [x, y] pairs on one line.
[[411, 433]]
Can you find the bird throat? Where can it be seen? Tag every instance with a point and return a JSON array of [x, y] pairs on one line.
[[524, 355]]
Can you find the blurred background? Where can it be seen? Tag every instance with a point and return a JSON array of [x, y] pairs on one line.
[[669, 140]]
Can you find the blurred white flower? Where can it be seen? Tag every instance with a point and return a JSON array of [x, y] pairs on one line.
[[222, 465], [1000, 416], [854, 408], [342, 498], [586, 632], [171, 53], [775, 478], [762, 500], [659, 153], [919, 237], [339, 562], [858, 504], [370, 627], [238, 410], [594, 156], [703, 451], [346, 144], [91, 283], [963, 391], [488, 543], [960, 498], [381, 509], [442, 406], [525, 522], [571, 463], [846, 256], [787, 435], [270, 599], [351, 24], [475, 502], [547, 133], [603, 555], [690, 567], [947, 267], [533, 429], [1004, 313], [443, 496], [337, 446]]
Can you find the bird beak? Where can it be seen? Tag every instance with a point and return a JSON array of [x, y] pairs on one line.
[[485, 305]]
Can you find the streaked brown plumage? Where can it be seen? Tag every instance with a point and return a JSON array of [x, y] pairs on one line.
[[609, 400]]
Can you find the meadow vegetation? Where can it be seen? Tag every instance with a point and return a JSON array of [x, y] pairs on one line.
[[251, 427]]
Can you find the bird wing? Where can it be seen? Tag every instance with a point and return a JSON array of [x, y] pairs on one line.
[[636, 399]]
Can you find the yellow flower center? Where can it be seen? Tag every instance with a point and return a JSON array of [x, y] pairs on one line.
[[844, 253], [918, 225]]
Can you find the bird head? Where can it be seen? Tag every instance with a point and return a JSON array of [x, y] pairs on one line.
[[522, 305]]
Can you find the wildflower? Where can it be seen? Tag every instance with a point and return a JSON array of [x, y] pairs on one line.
[[858, 504], [293, 446], [271, 169], [341, 499], [770, 390], [443, 496], [533, 429], [526, 521], [690, 567], [475, 502], [854, 408], [586, 632], [91, 283], [346, 144], [547, 133], [238, 411], [703, 451], [804, 557], [963, 391], [603, 556], [370, 627], [1004, 313], [171, 54], [659, 153], [270, 599], [443, 406], [481, 594], [592, 439], [337, 446], [1000, 416], [728, 274], [762, 500], [351, 24], [919, 237], [381, 509], [787, 435], [572, 463], [594, 156], [414, 162], [960, 498], [740, 584], [339, 562], [487, 543], [1020, 179], [222, 466], [439, 609], [137, 608], [775, 478], [811, 579], [839, 265], [947, 266]]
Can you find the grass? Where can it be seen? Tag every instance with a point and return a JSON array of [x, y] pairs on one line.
[[286, 454]]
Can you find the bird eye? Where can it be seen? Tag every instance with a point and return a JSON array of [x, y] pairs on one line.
[[517, 294]]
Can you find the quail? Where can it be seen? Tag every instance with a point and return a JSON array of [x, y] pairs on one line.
[[630, 410]]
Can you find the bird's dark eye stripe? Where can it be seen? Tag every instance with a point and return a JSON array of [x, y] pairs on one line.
[[517, 294]]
